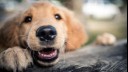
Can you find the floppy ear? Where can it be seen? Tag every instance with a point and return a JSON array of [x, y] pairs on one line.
[[9, 33], [76, 35]]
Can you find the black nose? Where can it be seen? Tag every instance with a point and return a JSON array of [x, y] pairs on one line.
[[46, 33]]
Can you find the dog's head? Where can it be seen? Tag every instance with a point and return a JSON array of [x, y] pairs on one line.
[[46, 30]]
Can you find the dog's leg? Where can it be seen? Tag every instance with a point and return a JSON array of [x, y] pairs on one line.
[[15, 59]]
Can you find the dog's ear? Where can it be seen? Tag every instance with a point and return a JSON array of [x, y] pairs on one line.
[[76, 35], [9, 32]]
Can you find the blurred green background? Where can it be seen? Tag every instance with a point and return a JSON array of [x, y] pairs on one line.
[[106, 16]]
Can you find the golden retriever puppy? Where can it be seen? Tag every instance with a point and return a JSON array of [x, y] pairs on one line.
[[39, 35]]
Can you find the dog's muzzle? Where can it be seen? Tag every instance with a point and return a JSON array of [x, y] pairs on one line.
[[48, 54]]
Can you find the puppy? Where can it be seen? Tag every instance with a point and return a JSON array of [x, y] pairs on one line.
[[39, 35]]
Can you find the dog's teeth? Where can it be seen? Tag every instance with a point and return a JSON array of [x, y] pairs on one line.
[[48, 56], [42, 55], [39, 53], [53, 54]]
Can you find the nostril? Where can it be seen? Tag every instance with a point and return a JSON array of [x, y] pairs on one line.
[[46, 33], [52, 32], [42, 33]]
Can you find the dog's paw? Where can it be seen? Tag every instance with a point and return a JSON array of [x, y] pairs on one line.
[[15, 59], [105, 39]]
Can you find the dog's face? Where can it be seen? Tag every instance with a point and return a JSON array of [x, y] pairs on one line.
[[46, 30]]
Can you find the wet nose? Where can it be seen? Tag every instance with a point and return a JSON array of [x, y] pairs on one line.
[[46, 33]]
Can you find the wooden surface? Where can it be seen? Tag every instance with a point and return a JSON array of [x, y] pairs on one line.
[[91, 59]]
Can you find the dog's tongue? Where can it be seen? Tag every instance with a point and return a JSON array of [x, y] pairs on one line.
[[47, 54]]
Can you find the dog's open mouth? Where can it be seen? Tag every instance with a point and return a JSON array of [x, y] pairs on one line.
[[47, 54]]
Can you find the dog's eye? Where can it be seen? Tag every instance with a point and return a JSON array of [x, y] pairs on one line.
[[28, 19], [58, 17]]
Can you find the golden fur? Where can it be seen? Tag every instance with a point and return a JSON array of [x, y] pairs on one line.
[[15, 35], [13, 30]]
